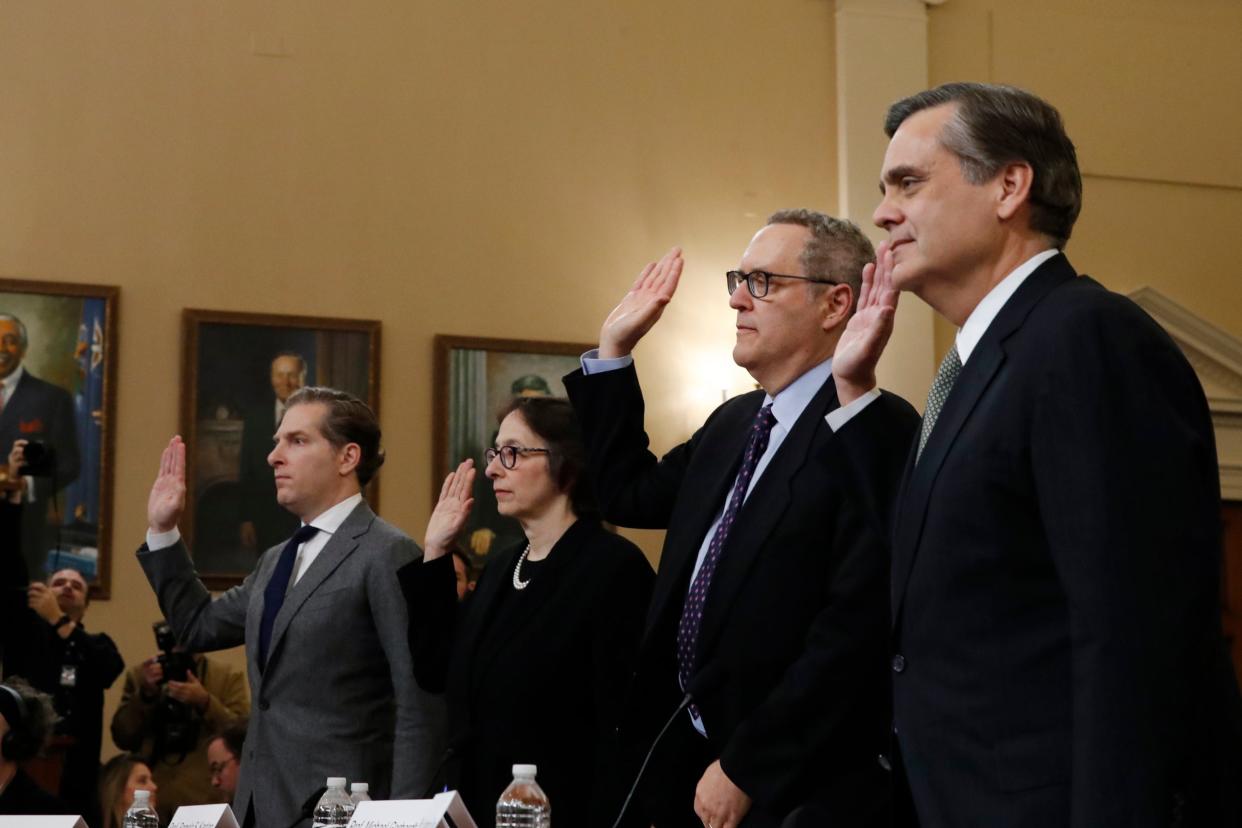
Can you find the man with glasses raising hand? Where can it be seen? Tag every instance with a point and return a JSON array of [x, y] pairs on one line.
[[765, 642]]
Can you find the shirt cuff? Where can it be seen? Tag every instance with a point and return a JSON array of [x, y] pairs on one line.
[[592, 364], [163, 540], [840, 416]]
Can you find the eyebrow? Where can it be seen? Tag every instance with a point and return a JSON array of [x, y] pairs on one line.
[[899, 172]]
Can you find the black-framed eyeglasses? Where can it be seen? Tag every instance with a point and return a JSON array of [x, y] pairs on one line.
[[509, 454], [758, 281]]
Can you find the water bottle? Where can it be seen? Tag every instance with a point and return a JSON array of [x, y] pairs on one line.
[[358, 792], [523, 804], [141, 814], [335, 807]]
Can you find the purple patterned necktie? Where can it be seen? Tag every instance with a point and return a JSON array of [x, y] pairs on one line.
[[692, 612]]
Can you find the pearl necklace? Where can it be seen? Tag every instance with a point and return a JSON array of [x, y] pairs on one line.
[[518, 583]]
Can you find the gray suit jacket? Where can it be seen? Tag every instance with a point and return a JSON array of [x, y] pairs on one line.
[[337, 696]]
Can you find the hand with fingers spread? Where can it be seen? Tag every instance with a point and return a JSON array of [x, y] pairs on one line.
[[642, 306], [450, 514], [167, 499], [861, 344]]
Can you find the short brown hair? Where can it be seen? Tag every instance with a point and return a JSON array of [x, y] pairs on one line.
[[348, 420], [553, 419], [837, 250], [995, 125], [233, 735]]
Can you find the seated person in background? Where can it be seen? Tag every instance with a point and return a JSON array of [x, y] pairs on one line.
[[224, 754], [120, 777], [170, 715], [467, 579], [26, 719], [546, 644], [43, 639]]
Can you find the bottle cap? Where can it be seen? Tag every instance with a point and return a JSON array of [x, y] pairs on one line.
[[524, 770], [336, 782], [359, 787], [142, 797]]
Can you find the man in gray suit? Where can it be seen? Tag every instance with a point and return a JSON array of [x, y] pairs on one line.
[[323, 619]]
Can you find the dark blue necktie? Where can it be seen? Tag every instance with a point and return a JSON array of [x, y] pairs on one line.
[[692, 612], [277, 585]]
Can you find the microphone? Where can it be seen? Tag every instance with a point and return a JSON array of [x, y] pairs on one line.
[[701, 682], [308, 807]]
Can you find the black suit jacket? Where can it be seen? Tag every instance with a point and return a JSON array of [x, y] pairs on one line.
[[1056, 559], [792, 682], [38, 410]]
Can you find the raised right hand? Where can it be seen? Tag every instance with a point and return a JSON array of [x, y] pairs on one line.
[[167, 500], [862, 343], [451, 511], [641, 307]]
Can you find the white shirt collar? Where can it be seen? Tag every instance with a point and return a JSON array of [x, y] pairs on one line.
[[981, 317], [329, 521], [10, 382], [788, 405]]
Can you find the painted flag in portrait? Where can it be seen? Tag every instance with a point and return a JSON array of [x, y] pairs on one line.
[[82, 496]]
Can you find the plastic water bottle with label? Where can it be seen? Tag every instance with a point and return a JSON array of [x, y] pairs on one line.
[[141, 814], [523, 804], [359, 792], [335, 807]]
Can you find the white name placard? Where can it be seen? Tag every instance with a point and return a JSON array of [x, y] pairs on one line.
[[203, 816], [42, 822], [414, 813]]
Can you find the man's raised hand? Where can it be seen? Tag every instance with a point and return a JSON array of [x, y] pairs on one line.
[[864, 338], [642, 306], [167, 500]]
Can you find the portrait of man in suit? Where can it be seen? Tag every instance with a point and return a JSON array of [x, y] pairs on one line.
[[323, 619], [33, 410], [264, 522], [1056, 654], [773, 688]]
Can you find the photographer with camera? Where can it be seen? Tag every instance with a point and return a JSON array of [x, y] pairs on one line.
[[173, 704], [40, 414], [43, 638]]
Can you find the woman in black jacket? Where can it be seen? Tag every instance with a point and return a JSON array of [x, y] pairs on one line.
[[543, 654]]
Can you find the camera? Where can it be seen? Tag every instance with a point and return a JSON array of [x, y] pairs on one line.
[[39, 459], [176, 724]]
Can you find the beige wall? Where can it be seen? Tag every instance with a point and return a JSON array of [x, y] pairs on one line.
[[1150, 93], [492, 169]]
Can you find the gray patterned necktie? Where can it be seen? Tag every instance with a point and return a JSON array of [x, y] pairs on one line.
[[950, 367]]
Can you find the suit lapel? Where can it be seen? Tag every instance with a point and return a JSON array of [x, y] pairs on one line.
[[985, 361], [716, 464], [342, 543], [763, 510]]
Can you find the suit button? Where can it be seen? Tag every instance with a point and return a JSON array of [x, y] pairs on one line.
[[884, 763], [899, 663], [264, 704]]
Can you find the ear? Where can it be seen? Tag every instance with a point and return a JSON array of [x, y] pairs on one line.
[[1014, 188], [348, 459], [834, 306]]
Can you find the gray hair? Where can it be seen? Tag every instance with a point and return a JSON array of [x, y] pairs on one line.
[[837, 249], [21, 327], [996, 125]]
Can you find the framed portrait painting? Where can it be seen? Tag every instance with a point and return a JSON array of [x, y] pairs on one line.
[[474, 379], [57, 415], [238, 369]]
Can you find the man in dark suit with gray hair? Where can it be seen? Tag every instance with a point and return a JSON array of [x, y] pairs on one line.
[[323, 619]]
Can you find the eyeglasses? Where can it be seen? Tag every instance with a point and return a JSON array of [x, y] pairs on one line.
[[509, 454], [758, 281]]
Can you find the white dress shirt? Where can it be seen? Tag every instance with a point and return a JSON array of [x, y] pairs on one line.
[[327, 523]]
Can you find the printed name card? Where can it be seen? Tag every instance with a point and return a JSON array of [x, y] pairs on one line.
[[203, 816], [42, 822], [446, 810]]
